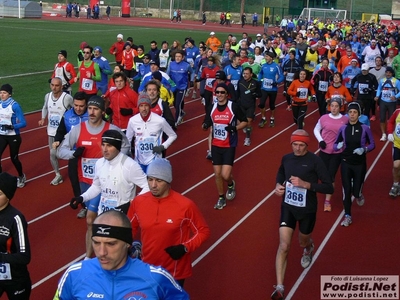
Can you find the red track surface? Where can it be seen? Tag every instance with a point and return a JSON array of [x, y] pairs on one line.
[[238, 261]]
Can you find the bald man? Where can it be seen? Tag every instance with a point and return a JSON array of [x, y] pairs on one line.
[[300, 177], [113, 274]]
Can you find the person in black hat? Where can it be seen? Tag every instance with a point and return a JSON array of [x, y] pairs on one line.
[[224, 141], [15, 253], [356, 140], [84, 143], [11, 122], [116, 177], [64, 70]]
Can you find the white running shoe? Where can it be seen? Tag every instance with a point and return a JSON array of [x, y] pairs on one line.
[[306, 259], [384, 137], [21, 181], [247, 141], [57, 180]]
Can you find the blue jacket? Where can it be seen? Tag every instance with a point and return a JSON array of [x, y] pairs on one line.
[[270, 75], [350, 72], [235, 73], [17, 114], [105, 70], [71, 119], [179, 74], [135, 280]]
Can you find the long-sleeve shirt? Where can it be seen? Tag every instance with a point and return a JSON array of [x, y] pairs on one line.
[[164, 222], [300, 92], [11, 114]]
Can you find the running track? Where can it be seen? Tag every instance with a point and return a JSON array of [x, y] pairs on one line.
[[237, 262]]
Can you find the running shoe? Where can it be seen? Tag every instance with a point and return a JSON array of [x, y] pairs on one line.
[[82, 213], [203, 101], [21, 181], [247, 141], [394, 191], [307, 256], [384, 137], [373, 118], [194, 96], [361, 200], [221, 203], [262, 123], [231, 192], [57, 180], [346, 221], [278, 294], [272, 123], [209, 156], [327, 206], [289, 108]]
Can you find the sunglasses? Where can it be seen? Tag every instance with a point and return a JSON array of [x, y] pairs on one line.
[[220, 92], [86, 52]]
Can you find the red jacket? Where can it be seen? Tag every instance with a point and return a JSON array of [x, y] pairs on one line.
[[117, 47], [165, 222], [123, 98]]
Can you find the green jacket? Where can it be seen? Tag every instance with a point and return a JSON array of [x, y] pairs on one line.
[[396, 66]]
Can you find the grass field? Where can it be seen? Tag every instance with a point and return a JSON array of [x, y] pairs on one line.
[[29, 50]]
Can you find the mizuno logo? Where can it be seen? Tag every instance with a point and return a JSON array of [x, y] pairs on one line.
[[102, 230]]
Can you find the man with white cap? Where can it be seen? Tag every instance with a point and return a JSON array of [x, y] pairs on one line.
[[213, 42], [145, 131], [181, 229], [298, 187], [113, 274], [116, 177], [117, 48], [350, 72], [84, 142], [366, 84]]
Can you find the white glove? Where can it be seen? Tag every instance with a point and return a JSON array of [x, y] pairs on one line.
[[390, 137], [359, 151], [339, 145]]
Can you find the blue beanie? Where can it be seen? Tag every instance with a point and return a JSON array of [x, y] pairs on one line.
[[98, 48]]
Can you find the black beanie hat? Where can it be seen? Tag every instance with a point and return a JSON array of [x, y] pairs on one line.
[[6, 87], [8, 185], [113, 137]]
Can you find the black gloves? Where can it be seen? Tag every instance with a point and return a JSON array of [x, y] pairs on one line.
[[307, 62], [66, 86], [109, 111], [366, 90], [158, 149], [176, 252], [204, 126], [126, 111], [275, 84], [231, 128], [78, 152], [298, 94], [6, 127], [352, 91], [322, 144], [74, 203]]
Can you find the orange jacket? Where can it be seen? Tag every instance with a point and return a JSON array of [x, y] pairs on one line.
[[304, 88], [338, 91], [213, 43], [345, 61]]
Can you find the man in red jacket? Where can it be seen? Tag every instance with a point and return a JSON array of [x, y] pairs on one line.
[[117, 48], [180, 228], [123, 102]]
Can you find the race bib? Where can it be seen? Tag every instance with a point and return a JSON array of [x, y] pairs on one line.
[[107, 204], [312, 64], [289, 76], [219, 132], [54, 121], [5, 271], [88, 167], [146, 145], [267, 83], [303, 93], [386, 94], [209, 82], [361, 87], [371, 58], [397, 130], [323, 86], [235, 83], [295, 196], [190, 60], [87, 84]]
